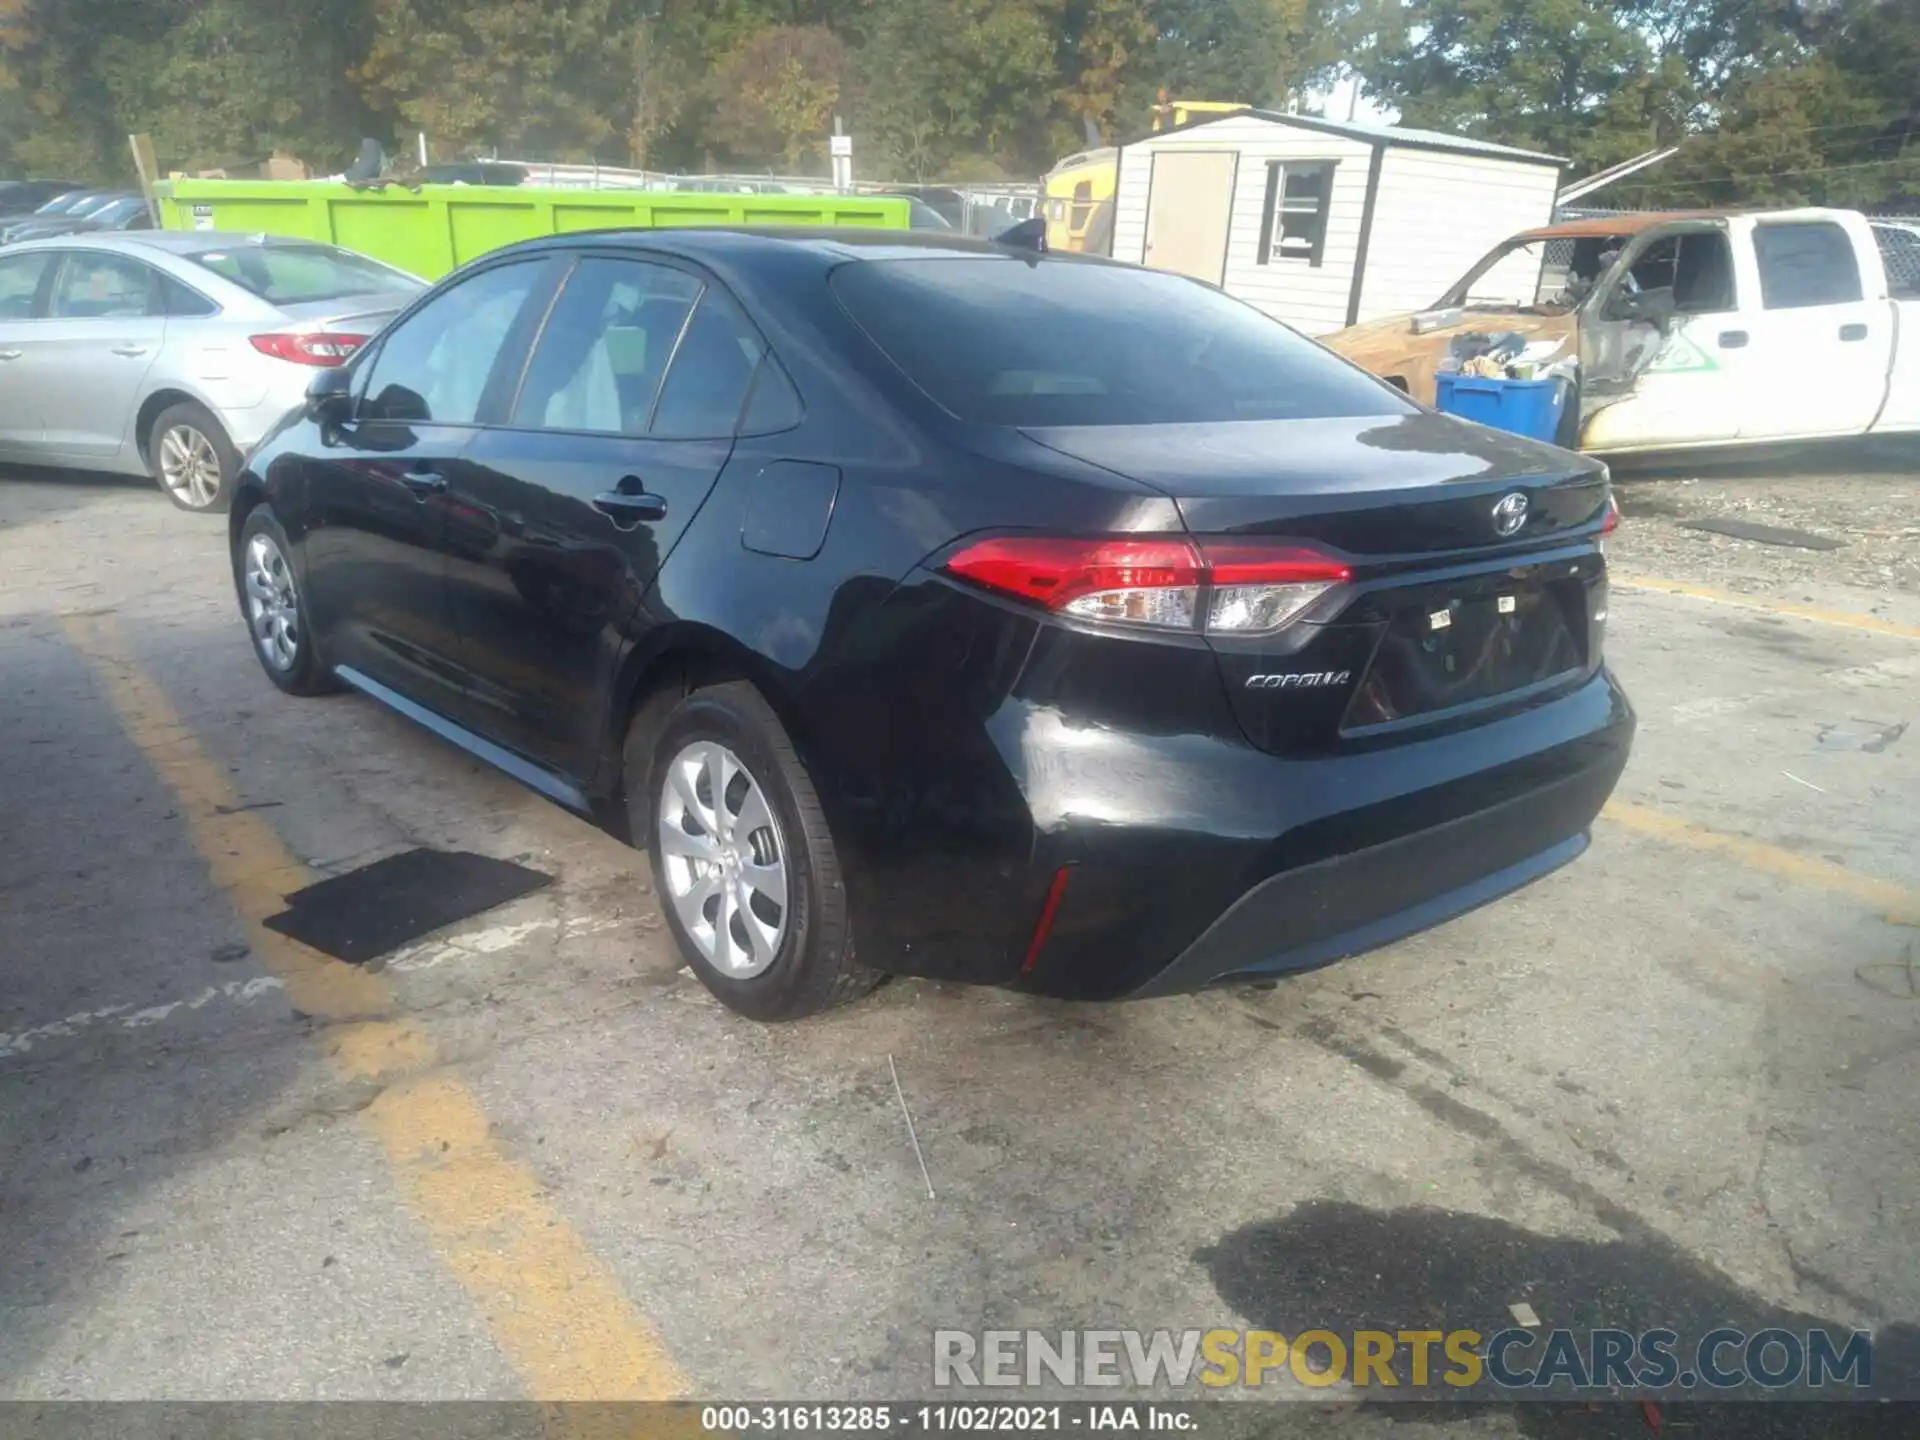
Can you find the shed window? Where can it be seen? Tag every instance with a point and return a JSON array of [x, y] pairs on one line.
[[1298, 197]]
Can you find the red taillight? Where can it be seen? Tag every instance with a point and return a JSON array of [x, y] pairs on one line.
[[1612, 522], [1222, 586], [1044, 926], [324, 348]]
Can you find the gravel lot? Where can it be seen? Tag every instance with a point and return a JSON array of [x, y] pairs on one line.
[[1865, 496]]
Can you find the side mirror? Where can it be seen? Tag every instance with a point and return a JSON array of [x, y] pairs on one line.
[[330, 396]]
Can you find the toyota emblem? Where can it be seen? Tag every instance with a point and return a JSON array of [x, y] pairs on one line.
[[1510, 514]]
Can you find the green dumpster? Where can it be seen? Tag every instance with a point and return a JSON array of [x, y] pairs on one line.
[[432, 230]]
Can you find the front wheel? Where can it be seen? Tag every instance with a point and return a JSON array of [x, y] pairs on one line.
[[743, 863], [276, 614], [192, 459]]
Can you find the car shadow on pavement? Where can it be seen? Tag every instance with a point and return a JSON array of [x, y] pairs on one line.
[[144, 1060], [1335, 1266], [37, 492]]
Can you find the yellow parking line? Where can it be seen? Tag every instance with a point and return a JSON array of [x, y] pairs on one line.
[[1852, 620], [1900, 904], [554, 1308]]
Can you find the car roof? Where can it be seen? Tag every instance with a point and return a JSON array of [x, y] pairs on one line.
[[172, 242], [1631, 223], [831, 245]]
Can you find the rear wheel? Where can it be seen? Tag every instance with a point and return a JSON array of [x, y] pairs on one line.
[[191, 458], [743, 863], [275, 613]]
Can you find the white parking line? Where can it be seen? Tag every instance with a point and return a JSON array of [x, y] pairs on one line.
[[125, 1017]]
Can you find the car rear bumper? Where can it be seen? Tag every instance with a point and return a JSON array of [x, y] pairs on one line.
[[1300, 863], [1358, 902]]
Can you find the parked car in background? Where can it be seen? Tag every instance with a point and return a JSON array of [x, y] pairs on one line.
[[171, 353], [1689, 329], [61, 205], [1123, 653], [109, 212], [23, 197]]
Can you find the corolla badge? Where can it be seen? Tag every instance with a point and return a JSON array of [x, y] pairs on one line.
[[1510, 514], [1300, 680]]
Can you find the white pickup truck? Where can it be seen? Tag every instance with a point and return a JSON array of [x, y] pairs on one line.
[[1691, 329]]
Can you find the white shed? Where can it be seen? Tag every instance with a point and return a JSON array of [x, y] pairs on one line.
[[1320, 223]]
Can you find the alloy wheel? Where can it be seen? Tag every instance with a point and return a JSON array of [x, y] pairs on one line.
[[273, 607], [190, 467], [724, 860]]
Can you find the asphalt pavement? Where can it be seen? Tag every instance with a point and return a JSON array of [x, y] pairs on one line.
[[530, 1158]]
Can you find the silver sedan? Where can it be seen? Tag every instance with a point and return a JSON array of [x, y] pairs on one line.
[[171, 354]]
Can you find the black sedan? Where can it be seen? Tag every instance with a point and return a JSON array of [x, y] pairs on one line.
[[934, 607]]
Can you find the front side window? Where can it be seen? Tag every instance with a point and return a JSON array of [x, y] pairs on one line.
[[1298, 198], [93, 285], [1695, 268], [20, 277], [435, 365], [1806, 263], [604, 350]]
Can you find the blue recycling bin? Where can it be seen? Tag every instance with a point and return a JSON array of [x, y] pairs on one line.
[[1525, 407]]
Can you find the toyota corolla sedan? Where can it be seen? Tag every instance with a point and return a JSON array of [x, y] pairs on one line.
[[170, 354], [928, 606]]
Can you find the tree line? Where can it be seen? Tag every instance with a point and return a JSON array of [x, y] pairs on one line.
[[1771, 101]]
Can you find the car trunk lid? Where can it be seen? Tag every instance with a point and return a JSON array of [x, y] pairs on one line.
[[1475, 580]]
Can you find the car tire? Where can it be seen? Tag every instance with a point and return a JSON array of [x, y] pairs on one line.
[[697, 783], [275, 610], [191, 459]]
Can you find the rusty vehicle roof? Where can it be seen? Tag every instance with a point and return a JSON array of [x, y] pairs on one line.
[[1629, 224]]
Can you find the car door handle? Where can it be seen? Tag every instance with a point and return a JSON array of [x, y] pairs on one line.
[[132, 352], [1853, 332], [1732, 339], [628, 510], [423, 480]]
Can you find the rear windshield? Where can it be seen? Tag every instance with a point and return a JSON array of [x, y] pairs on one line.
[[1011, 342], [295, 274]]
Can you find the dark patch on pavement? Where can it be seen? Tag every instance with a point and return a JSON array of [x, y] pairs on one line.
[[1331, 1265], [368, 912], [1765, 534]]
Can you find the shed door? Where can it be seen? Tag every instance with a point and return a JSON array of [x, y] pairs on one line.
[[1189, 210]]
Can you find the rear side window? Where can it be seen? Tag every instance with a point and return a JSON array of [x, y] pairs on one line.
[[298, 274], [182, 301], [773, 404], [604, 349], [707, 383], [1058, 342], [20, 277], [1806, 263], [93, 285]]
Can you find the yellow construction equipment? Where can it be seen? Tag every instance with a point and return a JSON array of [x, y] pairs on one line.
[[1079, 188]]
